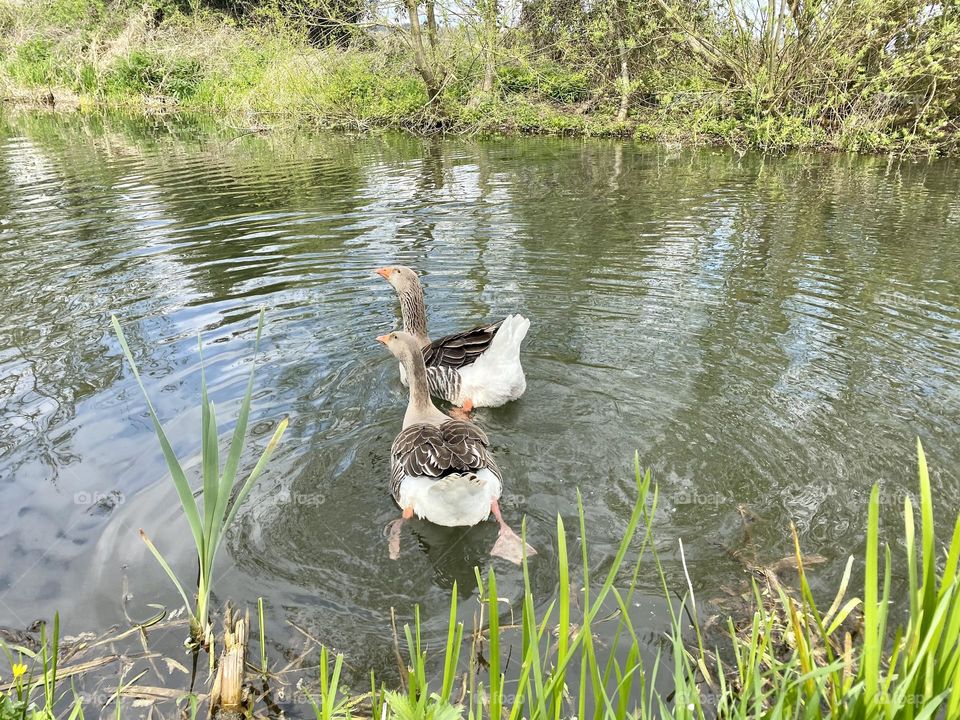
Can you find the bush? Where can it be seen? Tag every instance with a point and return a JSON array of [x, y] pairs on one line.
[[145, 73], [564, 86], [551, 82], [32, 63], [515, 79], [225, 87], [357, 85], [71, 13]]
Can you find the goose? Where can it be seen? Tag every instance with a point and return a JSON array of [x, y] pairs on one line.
[[476, 368], [441, 469]]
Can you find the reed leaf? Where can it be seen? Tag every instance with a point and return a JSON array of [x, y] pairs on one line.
[[217, 487], [184, 492]]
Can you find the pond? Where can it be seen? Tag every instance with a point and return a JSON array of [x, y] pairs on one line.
[[769, 334]]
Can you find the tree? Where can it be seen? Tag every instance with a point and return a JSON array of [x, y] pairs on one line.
[[426, 66]]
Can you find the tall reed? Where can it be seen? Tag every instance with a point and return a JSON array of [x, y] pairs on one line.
[[219, 483]]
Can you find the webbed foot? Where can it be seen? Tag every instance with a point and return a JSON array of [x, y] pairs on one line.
[[392, 531], [511, 546]]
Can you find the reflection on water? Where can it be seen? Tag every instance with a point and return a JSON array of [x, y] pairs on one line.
[[767, 333]]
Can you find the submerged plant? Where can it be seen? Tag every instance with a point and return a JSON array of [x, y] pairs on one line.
[[219, 483]]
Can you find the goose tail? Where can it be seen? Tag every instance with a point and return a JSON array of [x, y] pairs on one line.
[[497, 376], [505, 347]]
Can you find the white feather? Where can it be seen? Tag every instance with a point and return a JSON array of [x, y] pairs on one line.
[[454, 500], [496, 377]]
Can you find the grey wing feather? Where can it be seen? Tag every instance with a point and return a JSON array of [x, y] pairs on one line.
[[431, 451], [444, 382], [460, 349]]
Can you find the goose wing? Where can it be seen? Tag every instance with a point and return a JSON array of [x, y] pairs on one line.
[[435, 451], [461, 348]]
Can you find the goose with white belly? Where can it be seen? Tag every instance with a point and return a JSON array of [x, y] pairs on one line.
[[441, 469], [476, 368]]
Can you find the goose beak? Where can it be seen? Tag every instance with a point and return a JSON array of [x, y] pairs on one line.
[[383, 272], [382, 339]]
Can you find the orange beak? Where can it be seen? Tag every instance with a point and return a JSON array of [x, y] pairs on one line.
[[383, 272], [382, 338]]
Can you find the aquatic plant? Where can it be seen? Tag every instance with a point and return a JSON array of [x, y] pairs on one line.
[[33, 670], [330, 706], [794, 659], [219, 484]]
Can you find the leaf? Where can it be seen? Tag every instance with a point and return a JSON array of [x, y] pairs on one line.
[[176, 471], [167, 569]]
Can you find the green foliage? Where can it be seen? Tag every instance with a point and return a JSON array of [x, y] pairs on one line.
[[870, 676], [645, 131], [87, 78], [33, 63], [8, 21], [359, 86], [221, 88], [329, 707], [71, 13], [549, 81], [874, 76], [563, 86], [34, 673], [150, 74], [515, 78]]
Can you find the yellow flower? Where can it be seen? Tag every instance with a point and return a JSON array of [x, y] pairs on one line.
[[19, 670]]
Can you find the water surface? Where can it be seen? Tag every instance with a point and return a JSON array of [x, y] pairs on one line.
[[769, 334]]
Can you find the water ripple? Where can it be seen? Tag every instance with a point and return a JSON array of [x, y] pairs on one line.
[[769, 333]]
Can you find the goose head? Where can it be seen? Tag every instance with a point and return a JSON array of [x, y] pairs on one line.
[[402, 278], [407, 286], [403, 346]]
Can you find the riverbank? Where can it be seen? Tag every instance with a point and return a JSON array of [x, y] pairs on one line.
[[258, 70]]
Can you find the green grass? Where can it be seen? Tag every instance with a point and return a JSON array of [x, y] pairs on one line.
[[219, 485], [33, 63], [34, 673], [143, 73], [905, 674]]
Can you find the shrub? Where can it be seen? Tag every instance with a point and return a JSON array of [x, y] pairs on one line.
[[551, 82], [146, 73], [563, 86], [515, 79], [70, 13], [33, 63]]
